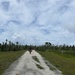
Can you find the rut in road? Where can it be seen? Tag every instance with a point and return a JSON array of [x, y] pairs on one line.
[[29, 64]]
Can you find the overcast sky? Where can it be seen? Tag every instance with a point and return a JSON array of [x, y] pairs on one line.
[[37, 21]]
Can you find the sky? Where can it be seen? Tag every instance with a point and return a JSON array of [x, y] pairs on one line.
[[38, 21]]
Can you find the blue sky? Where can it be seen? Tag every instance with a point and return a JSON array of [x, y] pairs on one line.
[[37, 21]]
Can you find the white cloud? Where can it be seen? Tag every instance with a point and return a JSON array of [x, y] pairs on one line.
[[35, 22]]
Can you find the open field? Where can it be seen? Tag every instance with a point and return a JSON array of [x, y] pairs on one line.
[[64, 62], [6, 58], [30, 64]]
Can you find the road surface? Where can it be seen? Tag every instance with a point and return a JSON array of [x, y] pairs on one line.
[[27, 64]]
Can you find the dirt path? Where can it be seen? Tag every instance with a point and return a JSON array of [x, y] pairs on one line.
[[30, 64]]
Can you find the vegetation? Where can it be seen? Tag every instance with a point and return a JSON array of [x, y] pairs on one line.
[[52, 67], [62, 56], [35, 58], [63, 61], [10, 46], [9, 52], [51, 47], [6, 58], [40, 67]]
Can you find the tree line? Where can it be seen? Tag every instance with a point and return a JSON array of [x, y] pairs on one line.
[[10, 46], [49, 46]]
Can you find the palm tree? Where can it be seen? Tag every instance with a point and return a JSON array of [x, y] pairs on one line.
[[6, 41]]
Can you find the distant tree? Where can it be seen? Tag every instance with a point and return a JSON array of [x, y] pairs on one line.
[[10, 46], [17, 45], [48, 45], [73, 48], [6, 41], [0, 47]]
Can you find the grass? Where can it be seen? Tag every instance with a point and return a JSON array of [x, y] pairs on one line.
[[40, 67], [53, 69], [50, 66], [35, 58], [6, 58], [65, 62]]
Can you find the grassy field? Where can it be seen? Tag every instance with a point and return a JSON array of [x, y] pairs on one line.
[[6, 58], [64, 62]]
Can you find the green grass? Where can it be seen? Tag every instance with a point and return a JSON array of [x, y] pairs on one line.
[[64, 62], [40, 67], [51, 67], [35, 58], [6, 58]]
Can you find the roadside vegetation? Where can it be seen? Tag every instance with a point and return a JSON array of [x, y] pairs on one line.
[[61, 56], [10, 46], [63, 61], [6, 58], [9, 52]]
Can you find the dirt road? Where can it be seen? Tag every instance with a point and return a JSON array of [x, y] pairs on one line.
[[30, 64]]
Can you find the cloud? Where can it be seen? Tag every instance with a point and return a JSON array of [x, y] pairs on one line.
[[37, 21], [5, 5]]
